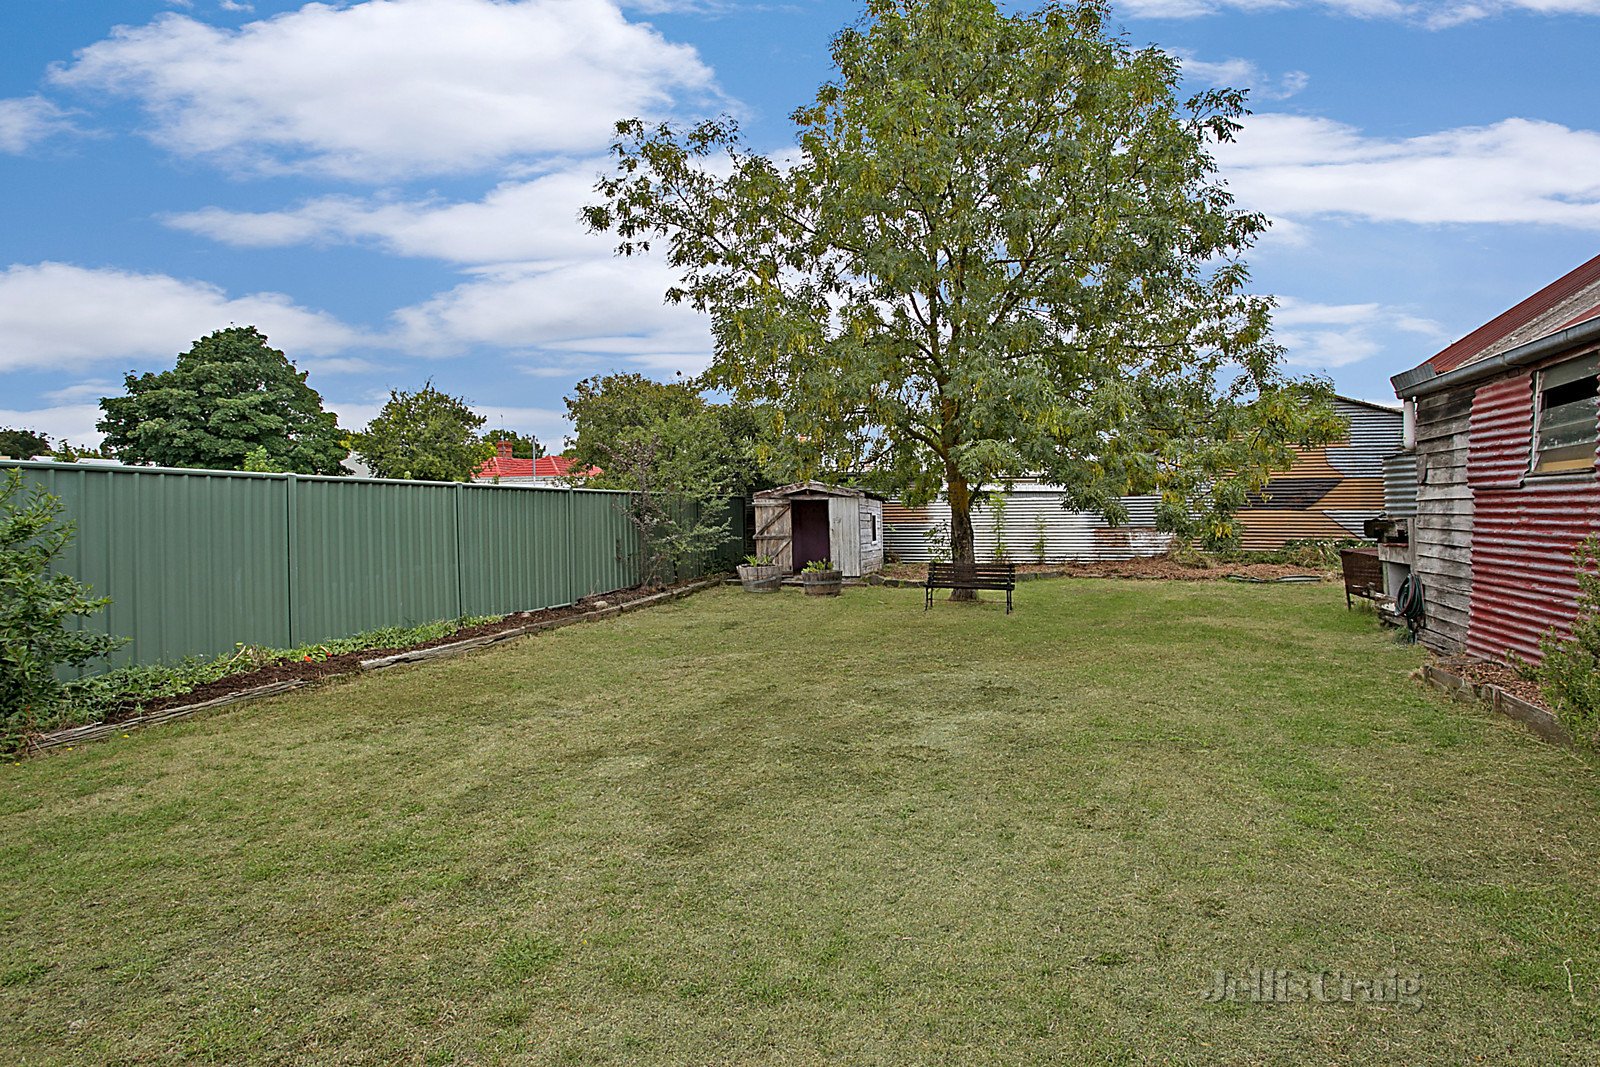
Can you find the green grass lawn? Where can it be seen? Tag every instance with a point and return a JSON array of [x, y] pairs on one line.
[[743, 829]]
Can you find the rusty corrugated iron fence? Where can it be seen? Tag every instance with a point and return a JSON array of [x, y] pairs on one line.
[[195, 561]]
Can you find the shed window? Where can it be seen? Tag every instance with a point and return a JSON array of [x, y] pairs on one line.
[[1565, 439], [874, 518]]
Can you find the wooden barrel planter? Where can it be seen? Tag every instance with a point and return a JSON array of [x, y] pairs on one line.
[[822, 583], [760, 579]]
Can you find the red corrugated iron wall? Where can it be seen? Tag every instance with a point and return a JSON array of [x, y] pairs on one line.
[[1524, 528]]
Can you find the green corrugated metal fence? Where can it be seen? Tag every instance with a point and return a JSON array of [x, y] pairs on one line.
[[195, 561]]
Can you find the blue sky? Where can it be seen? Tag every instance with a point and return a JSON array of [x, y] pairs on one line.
[[388, 188]]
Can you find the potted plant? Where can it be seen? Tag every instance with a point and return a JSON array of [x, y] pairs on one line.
[[760, 574], [821, 578]]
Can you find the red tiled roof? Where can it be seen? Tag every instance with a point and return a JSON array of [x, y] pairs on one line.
[[1551, 296], [503, 465]]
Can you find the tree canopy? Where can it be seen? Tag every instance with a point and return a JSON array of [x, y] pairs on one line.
[[696, 445], [523, 446], [999, 249], [427, 435], [22, 444], [229, 395]]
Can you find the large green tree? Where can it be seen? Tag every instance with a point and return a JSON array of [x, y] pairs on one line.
[[22, 444], [722, 449], [523, 446], [427, 435], [229, 395], [1000, 248]]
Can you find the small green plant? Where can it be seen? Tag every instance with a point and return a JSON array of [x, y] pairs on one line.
[[997, 522], [938, 538], [37, 611], [759, 561], [818, 566], [1569, 674], [1038, 539], [129, 689]]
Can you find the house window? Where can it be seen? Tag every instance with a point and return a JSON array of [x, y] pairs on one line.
[[1564, 440]]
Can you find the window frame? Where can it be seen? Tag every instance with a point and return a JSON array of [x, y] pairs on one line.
[[1574, 467]]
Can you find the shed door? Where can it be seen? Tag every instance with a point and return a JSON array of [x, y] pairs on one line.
[[810, 521], [844, 534]]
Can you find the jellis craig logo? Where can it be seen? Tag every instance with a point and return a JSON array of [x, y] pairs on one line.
[[1283, 985]]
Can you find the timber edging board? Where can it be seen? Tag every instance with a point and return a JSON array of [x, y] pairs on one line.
[[1541, 722], [101, 730]]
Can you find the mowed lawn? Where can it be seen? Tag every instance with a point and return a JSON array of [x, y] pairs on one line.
[[744, 829]]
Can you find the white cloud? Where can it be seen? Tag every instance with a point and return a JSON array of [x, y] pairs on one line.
[[1433, 14], [1329, 336], [1243, 74], [70, 422], [388, 88], [600, 307], [61, 316], [27, 120], [514, 222], [1515, 171]]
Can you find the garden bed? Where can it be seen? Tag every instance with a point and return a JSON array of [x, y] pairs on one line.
[[283, 675]]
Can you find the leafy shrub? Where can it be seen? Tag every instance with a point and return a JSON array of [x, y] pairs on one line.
[[1569, 675], [37, 608]]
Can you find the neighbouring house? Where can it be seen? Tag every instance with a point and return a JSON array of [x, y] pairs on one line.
[[796, 524], [1332, 492], [1501, 429], [505, 469]]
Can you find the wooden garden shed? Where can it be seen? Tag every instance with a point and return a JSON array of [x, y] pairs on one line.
[[807, 521]]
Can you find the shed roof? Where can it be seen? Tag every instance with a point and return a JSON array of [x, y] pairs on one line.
[[810, 488]]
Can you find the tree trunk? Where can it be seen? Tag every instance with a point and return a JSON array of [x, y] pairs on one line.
[[963, 548]]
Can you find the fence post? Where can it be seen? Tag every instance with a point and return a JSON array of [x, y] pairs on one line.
[[572, 559], [288, 555], [461, 599]]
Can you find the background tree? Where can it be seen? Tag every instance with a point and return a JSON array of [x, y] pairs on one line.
[[427, 435], [67, 452], [38, 610], [1000, 249], [522, 446], [23, 444], [728, 447], [229, 394]]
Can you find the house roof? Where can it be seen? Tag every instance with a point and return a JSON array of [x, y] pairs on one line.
[[1499, 332], [504, 465]]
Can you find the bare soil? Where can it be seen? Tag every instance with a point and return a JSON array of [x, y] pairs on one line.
[[1483, 672]]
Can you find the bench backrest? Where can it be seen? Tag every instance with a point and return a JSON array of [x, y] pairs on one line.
[[973, 575]]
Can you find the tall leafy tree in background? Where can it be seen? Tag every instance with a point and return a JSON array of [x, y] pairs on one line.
[[725, 448], [427, 435], [23, 444], [1000, 249], [522, 446], [230, 395]]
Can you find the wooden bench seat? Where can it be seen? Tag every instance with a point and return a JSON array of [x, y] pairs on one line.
[[994, 576]]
